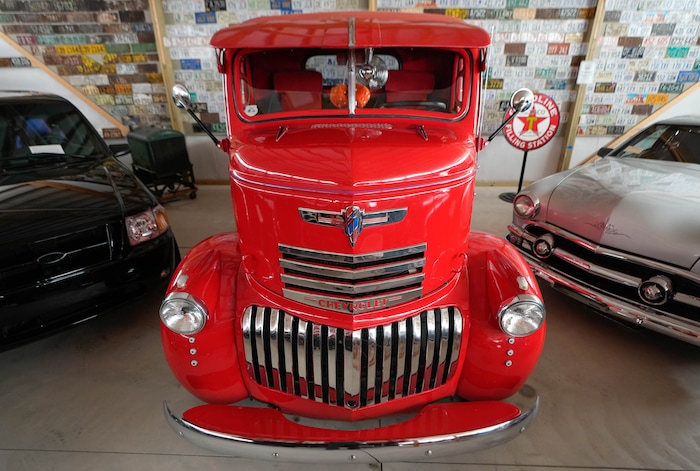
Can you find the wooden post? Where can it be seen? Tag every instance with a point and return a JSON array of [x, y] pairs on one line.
[[166, 65], [575, 114]]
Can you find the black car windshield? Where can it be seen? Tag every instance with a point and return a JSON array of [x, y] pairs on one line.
[[38, 132], [666, 142]]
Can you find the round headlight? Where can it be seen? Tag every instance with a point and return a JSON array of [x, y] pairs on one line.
[[183, 314], [524, 206], [522, 315]]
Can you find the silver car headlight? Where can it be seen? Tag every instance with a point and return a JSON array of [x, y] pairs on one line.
[[146, 225], [525, 206], [522, 315], [182, 313]]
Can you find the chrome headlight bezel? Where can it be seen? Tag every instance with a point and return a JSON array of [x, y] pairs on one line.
[[521, 315], [183, 313], [525, 205]]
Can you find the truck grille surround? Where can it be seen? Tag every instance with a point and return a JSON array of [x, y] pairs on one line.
[[352, 283], [351, 368]]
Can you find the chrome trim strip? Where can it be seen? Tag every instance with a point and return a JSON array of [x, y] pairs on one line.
[[350, 289], [409, 448], [352, 275], [352, 259], [597, 249]]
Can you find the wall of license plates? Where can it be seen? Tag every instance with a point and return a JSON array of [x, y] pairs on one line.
[[647, 51], [104, 49]]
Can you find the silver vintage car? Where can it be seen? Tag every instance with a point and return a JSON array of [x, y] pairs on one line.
[[622, 234]]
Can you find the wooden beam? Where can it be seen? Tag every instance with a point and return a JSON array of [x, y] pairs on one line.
[[646, 121], [40, 65], [575, 114], [166, 65]]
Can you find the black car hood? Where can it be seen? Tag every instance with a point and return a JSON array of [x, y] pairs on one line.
[[47, 201]]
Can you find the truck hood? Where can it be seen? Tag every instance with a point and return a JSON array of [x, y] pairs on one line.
[[294, 192], [345, 160], [648, 208]]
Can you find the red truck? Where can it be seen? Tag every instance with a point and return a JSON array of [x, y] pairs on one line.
[[353, 289]]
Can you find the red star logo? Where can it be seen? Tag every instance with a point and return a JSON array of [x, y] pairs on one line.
[[531, 121]]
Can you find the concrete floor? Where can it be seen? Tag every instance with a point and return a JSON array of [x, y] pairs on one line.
[[90, 398]]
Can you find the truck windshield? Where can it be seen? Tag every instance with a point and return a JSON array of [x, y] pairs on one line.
[[274, 83]]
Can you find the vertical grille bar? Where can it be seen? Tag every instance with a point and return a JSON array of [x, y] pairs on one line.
[[270, 331], [295, 341], [351, 368], [338, 373], [379, 362], [311, 339], [433, 339], [366, 372]]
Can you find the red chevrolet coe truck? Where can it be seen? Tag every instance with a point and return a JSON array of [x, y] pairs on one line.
[[353, 316]]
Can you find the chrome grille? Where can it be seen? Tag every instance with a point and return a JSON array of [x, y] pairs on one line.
[[611, 271], [352, 283], [351, 368]]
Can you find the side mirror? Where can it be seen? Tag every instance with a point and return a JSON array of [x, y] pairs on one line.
[[181, 98], [603, 151], [520, 101]]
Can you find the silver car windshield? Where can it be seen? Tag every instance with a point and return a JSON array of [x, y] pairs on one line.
[[665, 142]]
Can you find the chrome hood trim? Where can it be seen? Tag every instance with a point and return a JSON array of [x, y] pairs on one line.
[[644, 207]]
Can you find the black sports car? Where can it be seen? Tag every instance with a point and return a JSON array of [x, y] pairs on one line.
[[79, 233]]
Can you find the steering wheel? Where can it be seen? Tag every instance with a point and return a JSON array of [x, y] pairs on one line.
[[427, 105]]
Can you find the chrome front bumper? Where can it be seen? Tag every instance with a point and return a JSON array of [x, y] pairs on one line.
[[614, 306], [438, 430]]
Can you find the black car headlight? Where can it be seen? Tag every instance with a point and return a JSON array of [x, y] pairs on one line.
[[183, 313], [146, 225], [525, 206], [522, 315]]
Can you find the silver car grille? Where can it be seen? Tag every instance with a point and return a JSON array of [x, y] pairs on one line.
[[352, 283], [610, 271], [351, 368]]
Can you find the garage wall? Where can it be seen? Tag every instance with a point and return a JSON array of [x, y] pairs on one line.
[[647, 53]]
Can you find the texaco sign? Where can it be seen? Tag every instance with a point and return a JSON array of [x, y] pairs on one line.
[[534, 128]]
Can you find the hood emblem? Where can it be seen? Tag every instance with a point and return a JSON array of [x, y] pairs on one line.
[[352, 223], [352, 219]]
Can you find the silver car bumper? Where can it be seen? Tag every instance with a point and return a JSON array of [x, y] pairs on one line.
[[614, 306], [265, 433]]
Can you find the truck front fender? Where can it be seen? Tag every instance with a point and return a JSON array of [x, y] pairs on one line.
[[495, 362], [206, 363]]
